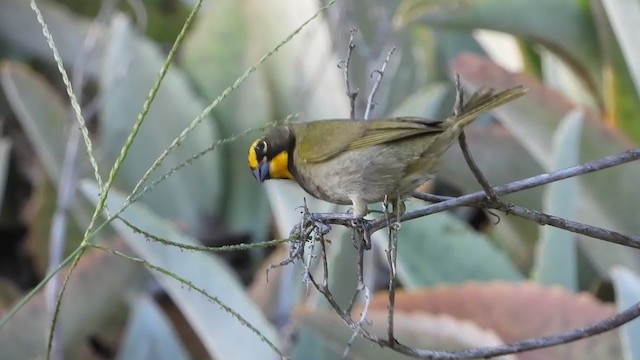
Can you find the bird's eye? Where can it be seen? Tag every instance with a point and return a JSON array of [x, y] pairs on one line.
[[261, 148]]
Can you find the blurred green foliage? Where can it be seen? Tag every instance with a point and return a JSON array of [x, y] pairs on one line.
[[577, 58]]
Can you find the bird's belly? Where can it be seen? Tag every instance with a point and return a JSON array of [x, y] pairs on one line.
[[367, 174]]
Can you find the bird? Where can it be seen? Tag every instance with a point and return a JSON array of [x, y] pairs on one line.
[[362, 162]]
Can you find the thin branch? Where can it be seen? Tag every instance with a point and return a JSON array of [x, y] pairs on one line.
[[376, 84], [478, 199], [462, 140], [344, 65], [600, 327], [528, 183], [392, 257]]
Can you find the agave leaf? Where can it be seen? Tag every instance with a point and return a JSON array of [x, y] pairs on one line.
[[556, 258], [625, 15], [95, 296], [129, 70], [627, 286], [436, 250], [501, 158], [417, 330], [533, 120], [622, 97], [5, 152], [20, 29], [214, 61], [497, 306], [150, 334], [41, 112], [44, 117], [564, 27], [224, 336]]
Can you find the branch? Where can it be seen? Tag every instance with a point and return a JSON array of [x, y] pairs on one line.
[[376, 84], [528, 183], [344, 65], [526, 345]]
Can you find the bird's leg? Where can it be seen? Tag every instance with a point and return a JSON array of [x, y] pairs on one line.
[[361, 237]]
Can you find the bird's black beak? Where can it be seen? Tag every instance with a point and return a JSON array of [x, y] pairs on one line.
[[261, 173]]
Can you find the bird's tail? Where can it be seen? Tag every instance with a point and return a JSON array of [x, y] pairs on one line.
[[480, 102]]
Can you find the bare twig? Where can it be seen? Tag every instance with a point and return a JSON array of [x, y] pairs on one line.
[[376, 84], [344, 65], [462, 140], [392, 255]]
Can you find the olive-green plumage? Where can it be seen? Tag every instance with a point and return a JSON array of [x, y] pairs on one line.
[[356, 162]]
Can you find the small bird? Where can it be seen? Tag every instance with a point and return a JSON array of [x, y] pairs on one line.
[[361, 162]]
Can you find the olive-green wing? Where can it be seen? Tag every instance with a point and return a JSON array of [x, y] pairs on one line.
[[343, 135]]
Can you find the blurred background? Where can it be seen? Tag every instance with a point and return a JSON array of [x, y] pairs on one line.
[[466, 281]]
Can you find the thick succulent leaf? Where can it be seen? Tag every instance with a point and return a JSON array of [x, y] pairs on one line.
[[498, 306], [96, 295], [621, 94], [502, 160], [417, 330], [558, 75], [556, 257], [564, 27], [627, 286], [533, 119], [45, 119], [624, 15], [20, 29], [150, 335], [216, 52], [129, 70], [436, 249], [41, 111], [299, 80], [5, 152], [295, 83], [224, 336]]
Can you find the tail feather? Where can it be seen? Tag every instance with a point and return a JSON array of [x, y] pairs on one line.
[[480, 102]]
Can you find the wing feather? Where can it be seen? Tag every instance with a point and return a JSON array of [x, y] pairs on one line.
[[343, 135]]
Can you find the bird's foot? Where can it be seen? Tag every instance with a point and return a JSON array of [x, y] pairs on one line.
[[361, 236]]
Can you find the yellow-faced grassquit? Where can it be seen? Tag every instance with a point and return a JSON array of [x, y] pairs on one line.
[[358, 162]]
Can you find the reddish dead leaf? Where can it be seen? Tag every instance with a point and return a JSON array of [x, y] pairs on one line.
[[417, 330], [518, 311]]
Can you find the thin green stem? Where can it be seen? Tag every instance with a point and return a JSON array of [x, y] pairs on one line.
[[56, 310], [132, 198], [141, 117], [72, 96], [225, 248]]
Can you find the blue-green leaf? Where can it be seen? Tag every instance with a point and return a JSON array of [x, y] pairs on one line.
[[627, 286], [224, 336], [129, 70], [149, 335], [556, 257]]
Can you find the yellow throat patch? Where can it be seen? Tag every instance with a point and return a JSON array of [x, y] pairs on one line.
[[279, 166]]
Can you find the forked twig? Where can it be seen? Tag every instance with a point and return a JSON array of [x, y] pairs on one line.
[[344, 65], [376, 84]]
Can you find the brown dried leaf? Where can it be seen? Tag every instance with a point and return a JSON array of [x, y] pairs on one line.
[[418, 330], [518, 311]]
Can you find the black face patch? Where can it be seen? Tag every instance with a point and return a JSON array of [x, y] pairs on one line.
[[261, 150]]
